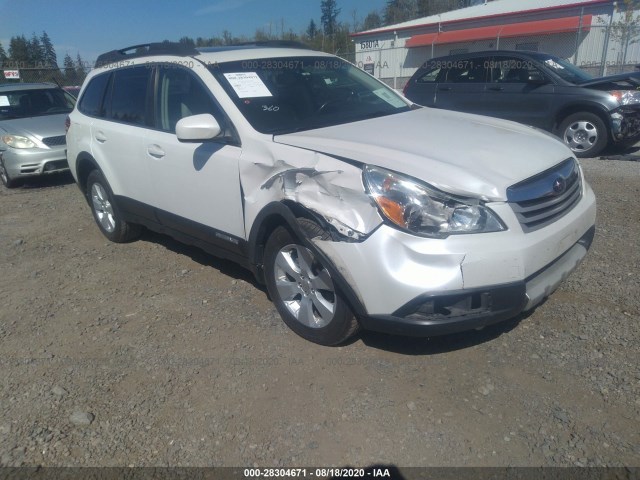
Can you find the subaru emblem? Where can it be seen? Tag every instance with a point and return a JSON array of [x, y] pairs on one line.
[[559, 185]]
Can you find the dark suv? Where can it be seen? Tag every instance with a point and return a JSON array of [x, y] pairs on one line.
[[536, 89]]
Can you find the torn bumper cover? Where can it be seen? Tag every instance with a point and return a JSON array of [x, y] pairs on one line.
[[625, 123], [422, 287], [450, 312]]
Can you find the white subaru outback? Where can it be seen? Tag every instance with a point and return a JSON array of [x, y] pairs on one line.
[[355, 207]]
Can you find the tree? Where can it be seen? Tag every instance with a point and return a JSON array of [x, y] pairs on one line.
[[341, 43], [69, 70], [261, 35], [372, 20], [330, 12], [312, 30], [434, 7], [49, 53], [188, 41], [19, 51], [81, 71], [398, 11], [3, 55], [626, 30], [36, 52]]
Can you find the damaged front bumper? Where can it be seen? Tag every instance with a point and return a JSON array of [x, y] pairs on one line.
[[625, 124], [450, 312], [414, 286]]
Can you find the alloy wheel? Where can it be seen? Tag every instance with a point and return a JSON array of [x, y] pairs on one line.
[[304, 286]]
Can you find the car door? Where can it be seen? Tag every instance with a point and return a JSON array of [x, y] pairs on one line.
[[196, 184], [520, 91], [117, 136], [461, 86], [421, 88]]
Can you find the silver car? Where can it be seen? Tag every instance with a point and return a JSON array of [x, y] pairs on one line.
[[32, 130]]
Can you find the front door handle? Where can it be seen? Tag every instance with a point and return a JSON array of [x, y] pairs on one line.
[[155, 151]]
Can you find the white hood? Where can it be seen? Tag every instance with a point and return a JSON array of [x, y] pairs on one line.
[[459, 153]]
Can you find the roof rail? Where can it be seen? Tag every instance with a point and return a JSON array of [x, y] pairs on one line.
[[146, 49], [274, 44]]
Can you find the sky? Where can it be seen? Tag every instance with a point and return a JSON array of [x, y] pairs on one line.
[[92, 27]]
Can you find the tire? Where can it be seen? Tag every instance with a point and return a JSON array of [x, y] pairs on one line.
[[302, 288], [105, 211], [584, 133], [7, 181]]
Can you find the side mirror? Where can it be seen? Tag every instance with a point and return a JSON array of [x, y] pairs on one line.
[[198, 127]]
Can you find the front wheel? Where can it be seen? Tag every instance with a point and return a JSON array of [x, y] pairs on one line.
[[584, 133], [303, 290], [106, 213], [7, 181]]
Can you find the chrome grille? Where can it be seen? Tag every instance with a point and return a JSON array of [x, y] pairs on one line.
[[55, 141], [541, 200]]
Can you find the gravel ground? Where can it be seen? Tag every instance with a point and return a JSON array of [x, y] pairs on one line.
[[155, 354]]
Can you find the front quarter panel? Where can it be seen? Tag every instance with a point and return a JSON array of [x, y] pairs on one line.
[[329, 187]]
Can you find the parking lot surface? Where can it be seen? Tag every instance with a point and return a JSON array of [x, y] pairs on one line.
[[153, 353]]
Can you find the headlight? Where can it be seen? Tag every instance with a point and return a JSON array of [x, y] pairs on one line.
[[17, 141], [421, 209], [626, 97]]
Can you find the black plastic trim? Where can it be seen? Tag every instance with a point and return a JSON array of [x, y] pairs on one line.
[[506, 301], [216, 242]]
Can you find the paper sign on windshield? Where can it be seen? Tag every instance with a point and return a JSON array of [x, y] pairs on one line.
[[248, 85], [4, 101], [389, 98]]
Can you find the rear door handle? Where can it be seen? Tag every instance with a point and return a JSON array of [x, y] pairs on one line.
[[496, 89], [155, 151], [100, 137], [445, 89]]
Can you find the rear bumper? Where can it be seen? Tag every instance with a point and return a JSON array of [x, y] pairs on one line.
[[455, 311]]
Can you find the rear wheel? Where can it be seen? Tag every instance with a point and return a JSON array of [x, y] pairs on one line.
[[584, 133], [303, 290], [7, 181], [106, 213]]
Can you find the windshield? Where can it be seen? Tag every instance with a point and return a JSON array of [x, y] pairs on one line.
[[33, 103], [564, 69], [284, 95]]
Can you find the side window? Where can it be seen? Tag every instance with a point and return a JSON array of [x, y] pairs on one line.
[[473, 70], [129, 95], [92, 101], [430, 76], [180, 95], [513, 70]]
